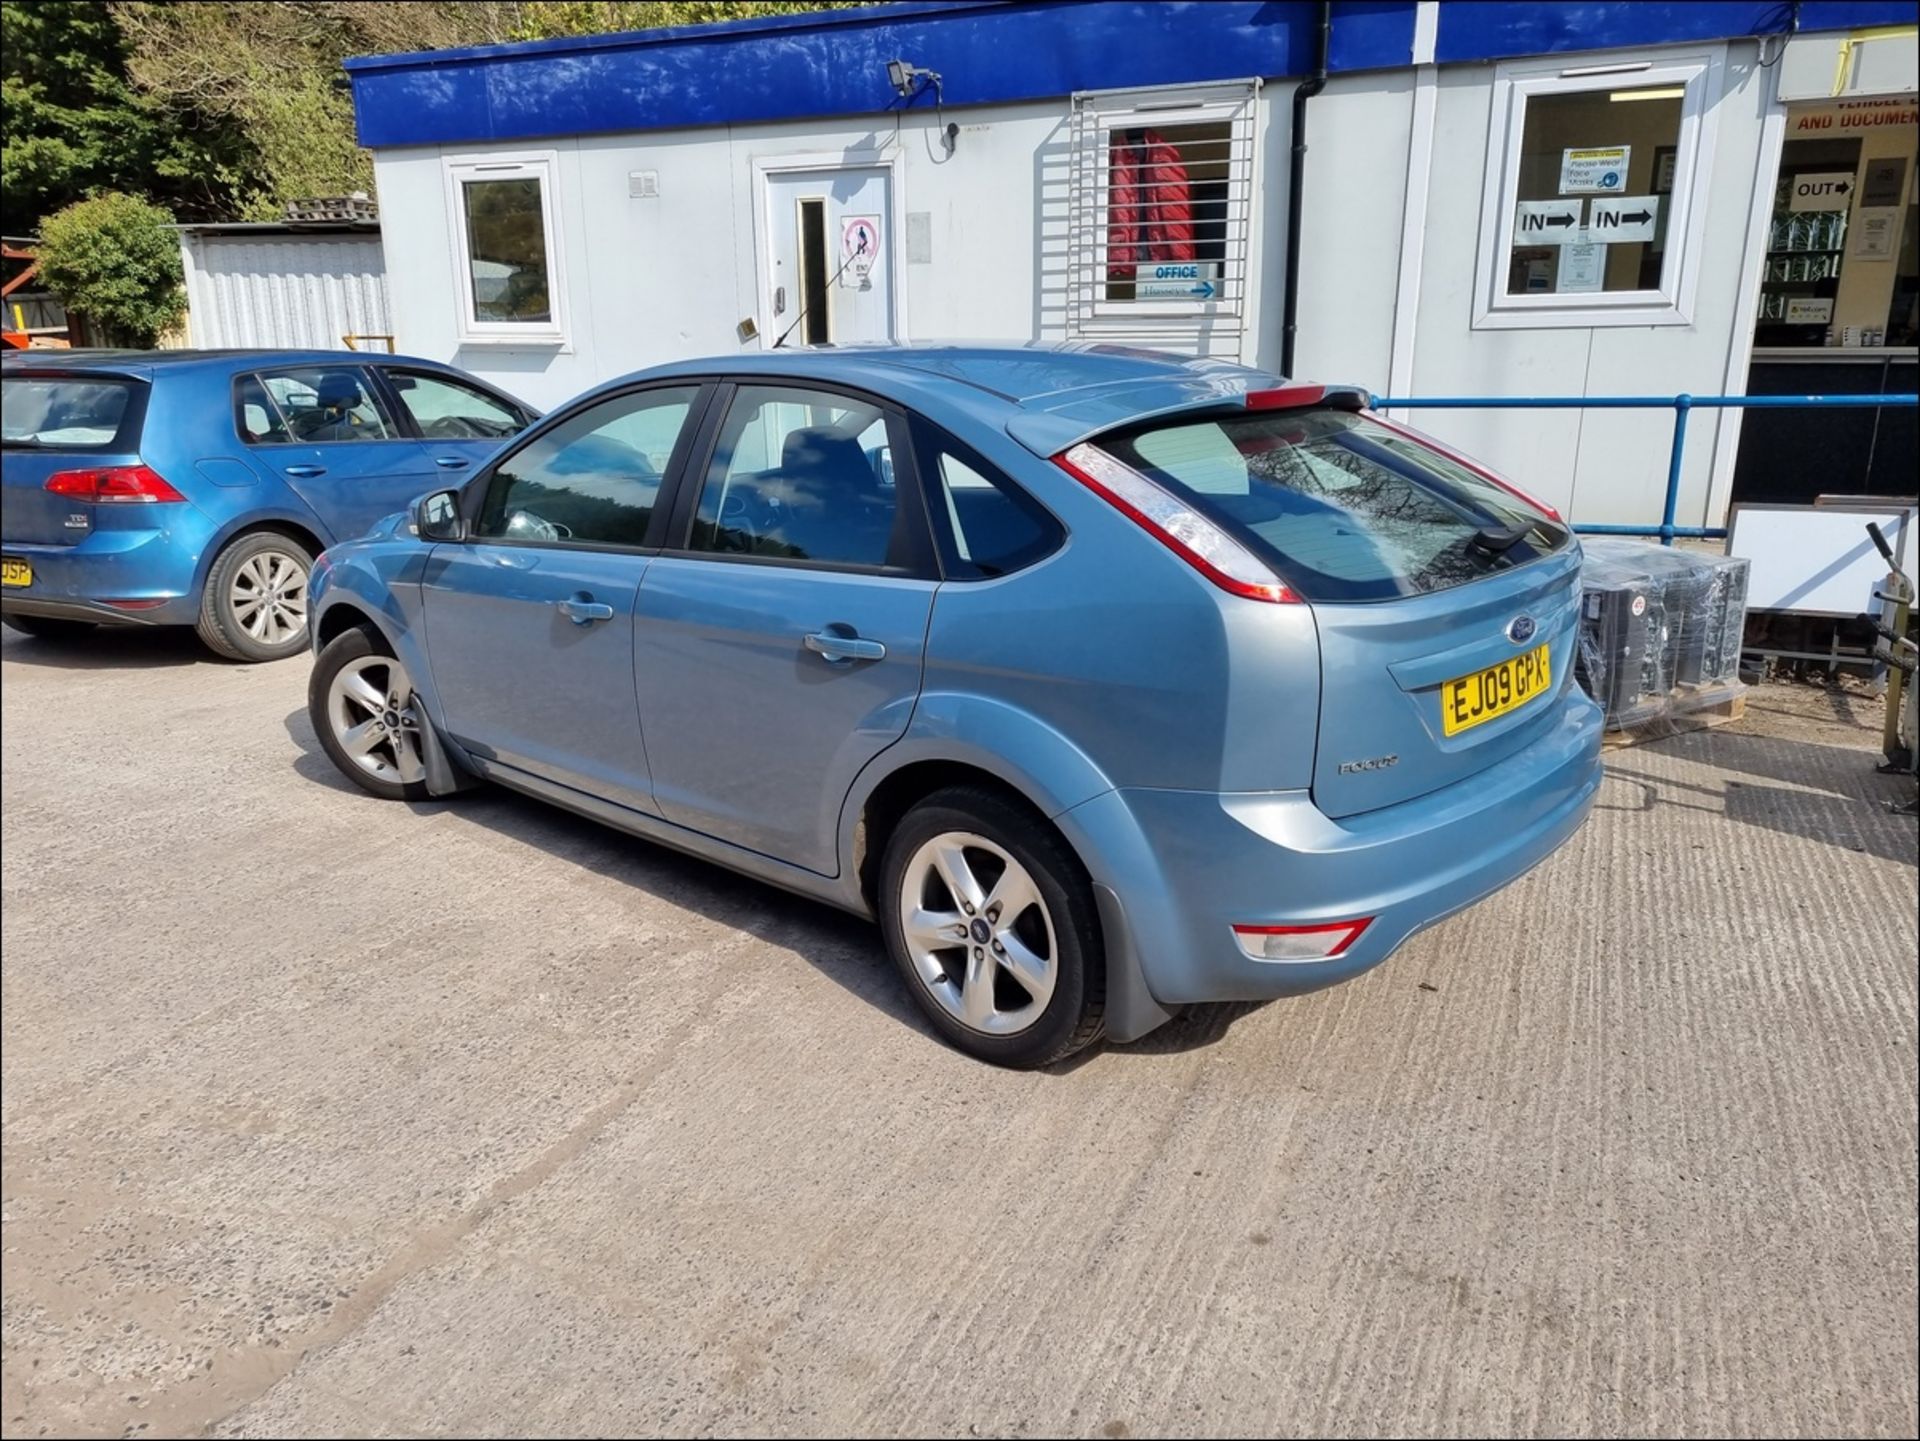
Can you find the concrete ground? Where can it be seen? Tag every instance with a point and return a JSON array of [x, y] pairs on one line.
[[329, 1116]]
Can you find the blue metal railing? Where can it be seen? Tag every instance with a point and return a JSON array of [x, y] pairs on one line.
[[1680, 405]]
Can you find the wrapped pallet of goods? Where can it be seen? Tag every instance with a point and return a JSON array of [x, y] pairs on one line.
[[1660, 633]]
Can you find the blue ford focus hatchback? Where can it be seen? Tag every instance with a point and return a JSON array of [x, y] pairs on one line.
[[1107, 682], [190, 487]]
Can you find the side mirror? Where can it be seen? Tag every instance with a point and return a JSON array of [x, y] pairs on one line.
[[436, 516]]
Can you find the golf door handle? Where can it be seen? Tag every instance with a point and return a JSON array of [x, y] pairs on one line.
[[583, 609], [306, 472], [451, 462], [833, 645]]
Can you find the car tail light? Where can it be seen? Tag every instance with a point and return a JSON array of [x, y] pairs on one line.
[[1176, 525], [1299, 943], [1299, 397], [136, 603], [1473, 465], [113, 485]]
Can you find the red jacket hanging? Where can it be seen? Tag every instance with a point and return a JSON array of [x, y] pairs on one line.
[[1149, 205]]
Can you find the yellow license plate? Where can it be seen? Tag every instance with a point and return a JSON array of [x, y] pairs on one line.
[[1470, 700], [15, 572]]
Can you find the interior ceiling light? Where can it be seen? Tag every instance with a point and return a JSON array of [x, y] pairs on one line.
[[1666, 92]]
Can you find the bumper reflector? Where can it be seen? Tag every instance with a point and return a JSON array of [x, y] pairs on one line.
[[1299, 943]]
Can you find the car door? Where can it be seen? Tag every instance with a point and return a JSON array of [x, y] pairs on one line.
[[329, 433], [462, 424], [529, 621], [778, 641]]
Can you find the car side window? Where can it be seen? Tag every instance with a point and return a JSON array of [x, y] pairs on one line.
[[445, 409], [254, 414], [594, 477], [311, 405], [985, 524], [801, 475]]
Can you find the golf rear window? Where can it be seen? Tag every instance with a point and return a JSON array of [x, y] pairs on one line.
[[55, 412], [1343, 508]]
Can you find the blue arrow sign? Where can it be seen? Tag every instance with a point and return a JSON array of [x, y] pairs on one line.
[[1204, 290]]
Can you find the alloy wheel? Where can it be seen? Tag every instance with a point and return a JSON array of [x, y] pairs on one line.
[[979, 933], [268, 597], [376, 719]]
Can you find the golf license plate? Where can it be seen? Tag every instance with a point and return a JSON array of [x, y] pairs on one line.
[[15, 572], [1471, 700]]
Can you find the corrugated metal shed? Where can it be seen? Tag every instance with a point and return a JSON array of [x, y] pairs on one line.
[[282, 286]]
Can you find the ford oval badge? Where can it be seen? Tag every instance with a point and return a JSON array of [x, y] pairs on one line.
[[1520, 629]]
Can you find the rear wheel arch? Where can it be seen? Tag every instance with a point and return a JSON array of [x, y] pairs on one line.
[[302, 535], [888, 802]]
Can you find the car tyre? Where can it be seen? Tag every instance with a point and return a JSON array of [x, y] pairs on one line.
[[254, 607], [990, 918], [360, 700], [49, 627]]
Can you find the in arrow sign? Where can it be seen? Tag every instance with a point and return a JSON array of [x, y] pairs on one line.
[[1559, 220], [1638, 217]]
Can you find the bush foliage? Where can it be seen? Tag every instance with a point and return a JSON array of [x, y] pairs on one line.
[[116, 260]]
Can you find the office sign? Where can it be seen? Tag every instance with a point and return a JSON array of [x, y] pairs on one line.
[[1177, 280]]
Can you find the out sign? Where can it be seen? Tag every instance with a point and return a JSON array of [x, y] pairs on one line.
[[1830, 190]]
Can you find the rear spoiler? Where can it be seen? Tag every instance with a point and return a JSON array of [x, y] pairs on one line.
[[1052, 432]]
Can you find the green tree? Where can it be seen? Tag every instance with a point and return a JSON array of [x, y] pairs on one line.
[[272, 70], [72, 125], [116, 260], [545, 19]]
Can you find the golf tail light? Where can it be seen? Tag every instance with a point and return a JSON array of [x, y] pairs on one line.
[[113, 485], [1299, 943], [1176, 525]]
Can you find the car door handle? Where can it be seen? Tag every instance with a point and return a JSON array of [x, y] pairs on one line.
[[582, 609], [305, 472], [833, 647], [450, 462]]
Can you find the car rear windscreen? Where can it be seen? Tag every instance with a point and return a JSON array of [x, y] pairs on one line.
[[1343, 507], [60, 412]]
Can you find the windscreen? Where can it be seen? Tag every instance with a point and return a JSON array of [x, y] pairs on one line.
[[40, 412], [1342, 506]]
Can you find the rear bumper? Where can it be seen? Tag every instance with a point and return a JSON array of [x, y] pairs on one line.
[[77, 582], [1187, 865]]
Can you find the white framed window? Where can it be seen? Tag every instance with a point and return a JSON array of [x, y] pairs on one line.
[[1161, 212], [1595, 191], [508, 263]]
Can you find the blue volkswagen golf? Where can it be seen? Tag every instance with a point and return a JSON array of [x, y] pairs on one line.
[[196, 487], [1107, 682]]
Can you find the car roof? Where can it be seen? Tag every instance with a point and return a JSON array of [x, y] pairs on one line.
[[1047, 395], [140, 362]]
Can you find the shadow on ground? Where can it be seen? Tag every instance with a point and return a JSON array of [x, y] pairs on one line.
[[113, 647], [844, 948], [1826, 793]]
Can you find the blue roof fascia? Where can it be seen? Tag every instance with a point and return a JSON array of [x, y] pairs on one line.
[[1510, 29], [792, 67]]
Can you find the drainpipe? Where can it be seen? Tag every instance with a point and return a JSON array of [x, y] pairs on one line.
[[1296, 183]]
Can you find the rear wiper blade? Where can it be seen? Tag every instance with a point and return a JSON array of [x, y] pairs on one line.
[[1499, 539]]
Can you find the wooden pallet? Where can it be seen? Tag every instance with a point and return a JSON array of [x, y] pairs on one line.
[[1679, 722]]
